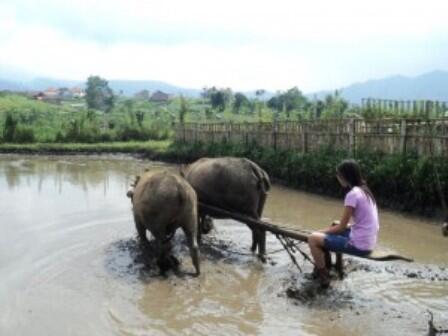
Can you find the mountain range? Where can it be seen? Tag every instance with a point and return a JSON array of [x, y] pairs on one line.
[[431, 86]]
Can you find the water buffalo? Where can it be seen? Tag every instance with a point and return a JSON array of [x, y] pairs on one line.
[[161, 203], [233, 184]]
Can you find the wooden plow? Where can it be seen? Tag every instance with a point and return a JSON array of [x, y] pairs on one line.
[[286, 237]]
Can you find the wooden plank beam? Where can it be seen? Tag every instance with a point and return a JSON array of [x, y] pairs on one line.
[[214, 211], [275, 229]]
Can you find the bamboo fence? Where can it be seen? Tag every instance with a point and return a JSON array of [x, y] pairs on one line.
[[390, 136]]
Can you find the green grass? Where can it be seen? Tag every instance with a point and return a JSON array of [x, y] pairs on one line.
[[144, 147], [49, 122]]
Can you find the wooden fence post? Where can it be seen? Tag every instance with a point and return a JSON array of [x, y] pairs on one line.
[[351, 136], [403, 136], [304, 138], [274, 133]]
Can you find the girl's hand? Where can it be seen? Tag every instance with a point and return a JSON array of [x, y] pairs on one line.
[[333, 224], [340, 226]]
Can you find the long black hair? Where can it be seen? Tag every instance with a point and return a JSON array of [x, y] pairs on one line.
[[349, 170]]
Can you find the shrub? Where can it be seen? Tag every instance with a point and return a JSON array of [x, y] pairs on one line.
[[402, 182], [9, 127], [24, 134]]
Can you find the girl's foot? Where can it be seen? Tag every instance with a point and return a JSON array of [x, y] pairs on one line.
[[323, 277]]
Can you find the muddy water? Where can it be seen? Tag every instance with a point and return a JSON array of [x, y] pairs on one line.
[[69, 265]]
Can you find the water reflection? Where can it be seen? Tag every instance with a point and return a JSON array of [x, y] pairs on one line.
[[12, 175], [84, 172]]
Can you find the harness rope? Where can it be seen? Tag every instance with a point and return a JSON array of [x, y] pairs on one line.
[[287, 245]]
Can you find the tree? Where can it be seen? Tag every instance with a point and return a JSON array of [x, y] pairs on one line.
[[318, 107], [129, 105], [258, 103], [293, 99], [183, 109], [99, 95], [334, 105], [219, 98], [239, 101], [260, 92]]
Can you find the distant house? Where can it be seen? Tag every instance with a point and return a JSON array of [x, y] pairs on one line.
[[48, 96], [51, 93], [144, 94], [160, 97], [37, 95], [58, 94], [77, 92]]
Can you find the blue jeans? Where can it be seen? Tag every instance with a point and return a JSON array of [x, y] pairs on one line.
[[340, 243]]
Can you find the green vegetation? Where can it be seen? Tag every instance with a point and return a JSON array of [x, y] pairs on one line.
[[99, 95], [153, 150], [25, 120], [104, 116], [401, 182]]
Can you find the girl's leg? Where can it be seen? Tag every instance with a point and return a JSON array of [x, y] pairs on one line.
[[316, 244]]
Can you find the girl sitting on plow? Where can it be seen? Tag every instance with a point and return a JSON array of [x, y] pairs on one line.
[[357, 238]]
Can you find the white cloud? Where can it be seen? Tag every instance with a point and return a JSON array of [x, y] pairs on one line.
[[344, 19], [241, 44], [49, 53]]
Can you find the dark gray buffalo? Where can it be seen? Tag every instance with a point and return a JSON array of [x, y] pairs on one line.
[[233, 184], [162, 202]]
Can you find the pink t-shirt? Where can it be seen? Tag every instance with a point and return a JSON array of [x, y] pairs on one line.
[[364, 230]]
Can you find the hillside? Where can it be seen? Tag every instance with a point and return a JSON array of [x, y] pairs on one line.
[[430, 86]]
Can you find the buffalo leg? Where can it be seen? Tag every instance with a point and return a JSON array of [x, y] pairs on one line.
[[194, 249], [141, 230], [199, 230], [255, 231], [254, 240], [261, 203], [262, 245], [262, 233], [259, 243]]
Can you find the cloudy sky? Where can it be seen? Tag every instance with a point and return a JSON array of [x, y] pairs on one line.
[[245, 45]]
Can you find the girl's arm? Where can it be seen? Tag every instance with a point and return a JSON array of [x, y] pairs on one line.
[[343, 223]]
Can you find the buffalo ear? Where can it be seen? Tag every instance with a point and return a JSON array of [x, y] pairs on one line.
[[134, 184]]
